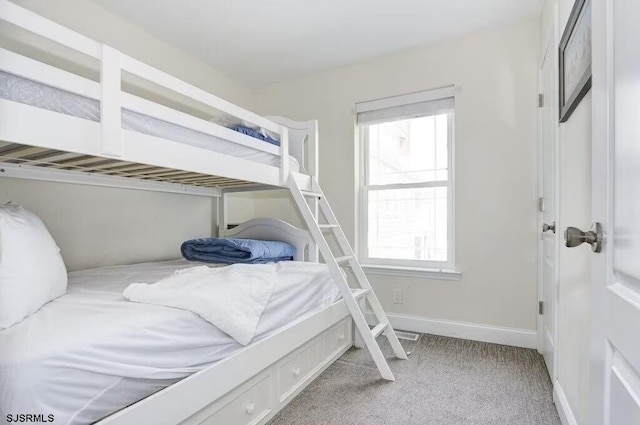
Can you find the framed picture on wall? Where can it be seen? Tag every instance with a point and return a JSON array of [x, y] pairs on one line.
[[575, 58]]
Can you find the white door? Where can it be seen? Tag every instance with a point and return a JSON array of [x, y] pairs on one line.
[[615, 372], [547, 119]]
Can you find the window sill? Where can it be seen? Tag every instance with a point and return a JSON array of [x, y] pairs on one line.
[[423, 273]]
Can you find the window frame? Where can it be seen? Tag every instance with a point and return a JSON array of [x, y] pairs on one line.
[[363, 189]]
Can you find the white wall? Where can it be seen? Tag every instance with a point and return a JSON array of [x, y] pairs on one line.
[[495, 165], [88, 18], [574, 263], [99, 226], [102, 226]]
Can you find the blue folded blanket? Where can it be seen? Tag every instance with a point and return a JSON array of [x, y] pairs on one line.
[[233, 250], [256, 134]]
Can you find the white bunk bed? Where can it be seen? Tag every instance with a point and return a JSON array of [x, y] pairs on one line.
[[77, 111], [84, 366], [86, 99]]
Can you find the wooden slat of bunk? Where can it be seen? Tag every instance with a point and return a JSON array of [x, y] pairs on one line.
[[188, 177], [54, 159], [204, 182], [126, 167], [202, 179], [8, 148], [106, 166], [212, 185], [191, 181], [226, 181], [12, 160], [119, 170], [136, 174], [48, 157], [159, 172], [95, 166], [62, 164], [196, 178], [216, 182], [20, 151], [199, 184], [168, 179], [81, 161], [108, 170], [238, 183]]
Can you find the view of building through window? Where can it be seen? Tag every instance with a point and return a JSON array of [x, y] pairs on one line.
[[407, 188]]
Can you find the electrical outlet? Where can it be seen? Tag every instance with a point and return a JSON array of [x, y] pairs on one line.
[[398, 296]]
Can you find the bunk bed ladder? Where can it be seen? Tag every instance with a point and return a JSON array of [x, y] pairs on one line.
[[347, 258]]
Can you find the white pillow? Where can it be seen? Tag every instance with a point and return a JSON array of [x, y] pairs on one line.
[[32, 271]]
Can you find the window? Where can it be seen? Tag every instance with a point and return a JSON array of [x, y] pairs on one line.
[[406, 183]]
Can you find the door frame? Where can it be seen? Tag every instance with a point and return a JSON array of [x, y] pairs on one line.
[[549, 43], [601, 196]]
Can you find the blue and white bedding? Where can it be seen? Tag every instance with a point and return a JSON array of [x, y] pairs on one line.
[[236, 250], [257, 134]]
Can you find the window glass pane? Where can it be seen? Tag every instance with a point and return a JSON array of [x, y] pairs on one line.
[[408, 151], [408, 224]]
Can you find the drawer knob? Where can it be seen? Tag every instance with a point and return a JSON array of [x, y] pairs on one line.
[[341, 337], [250, 408], [296, 371]]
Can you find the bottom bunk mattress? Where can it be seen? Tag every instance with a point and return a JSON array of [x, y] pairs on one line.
[[90, 352]]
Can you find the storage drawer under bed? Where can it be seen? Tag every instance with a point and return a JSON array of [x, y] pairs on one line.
[[249, 407], [255, 401]]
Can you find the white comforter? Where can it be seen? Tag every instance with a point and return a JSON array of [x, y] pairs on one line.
[[232, 298], [92, 352]]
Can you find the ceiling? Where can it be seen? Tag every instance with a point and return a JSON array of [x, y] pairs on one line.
[[259, 42]]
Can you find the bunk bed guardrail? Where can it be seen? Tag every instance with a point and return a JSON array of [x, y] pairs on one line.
[[113, 64]]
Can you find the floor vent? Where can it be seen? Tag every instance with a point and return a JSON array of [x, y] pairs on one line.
[[409, 336]]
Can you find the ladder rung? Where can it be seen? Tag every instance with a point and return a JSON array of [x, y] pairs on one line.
[[344, 259], [359, 293], [378, 329], [327, 226], [310, 194]]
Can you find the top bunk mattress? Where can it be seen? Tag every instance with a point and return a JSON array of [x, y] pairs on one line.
[[90, 352], [34, 93]]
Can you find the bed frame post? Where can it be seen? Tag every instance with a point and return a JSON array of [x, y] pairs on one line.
[[312, 168], [110, 102], [312, 149], [222, 214], [284, 155]]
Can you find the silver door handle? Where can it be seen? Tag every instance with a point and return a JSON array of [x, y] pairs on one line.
[[574, 237], [546, 227]]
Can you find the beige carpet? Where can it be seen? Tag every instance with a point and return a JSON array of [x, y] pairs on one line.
[[446, 381]]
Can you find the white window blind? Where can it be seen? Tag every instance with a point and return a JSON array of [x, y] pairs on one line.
[[410, 105], [406, 184], [401, 112]]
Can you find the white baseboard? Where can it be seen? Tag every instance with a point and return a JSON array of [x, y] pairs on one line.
[[562, 405], [486, 333]]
